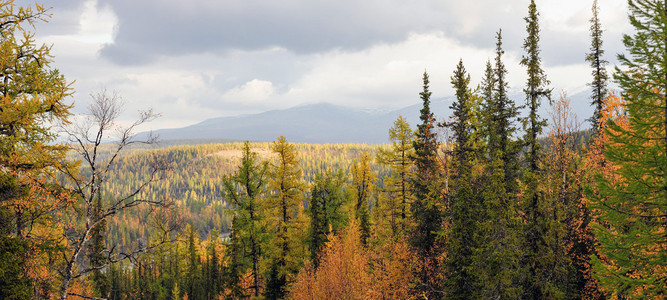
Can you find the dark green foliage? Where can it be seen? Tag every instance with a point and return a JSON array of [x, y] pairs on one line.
[[535, 89], [325, 209], [427, 205], [235, 263], [544, 256], [212, 274], [501, 226], [275, 285], [598, 63], [466, 211], [193, 279], [13, 284]]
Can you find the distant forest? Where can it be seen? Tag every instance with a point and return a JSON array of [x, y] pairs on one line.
[[486, 204]]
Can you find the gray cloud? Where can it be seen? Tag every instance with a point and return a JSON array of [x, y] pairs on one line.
[[150, 29]]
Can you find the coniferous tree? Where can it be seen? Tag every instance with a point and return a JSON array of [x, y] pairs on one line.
[[465, 213], [544, 256], [501, 236], [326, 210], [598, 63], [427, 205], [194, 286], [212, 278], [362, 189], [243, 190], [285, 219], [33, 96], [398, 187], [633, 203], [236, 264]]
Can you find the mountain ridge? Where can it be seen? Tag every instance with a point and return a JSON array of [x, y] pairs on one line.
[[321, 123]]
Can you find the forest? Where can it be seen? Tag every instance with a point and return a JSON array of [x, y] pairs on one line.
[[494, 202]]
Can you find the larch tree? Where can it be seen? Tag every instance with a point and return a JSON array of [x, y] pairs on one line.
[[343, 272], [428, 204], [285, 219], [599, 72], [362, 189], [464, 236], [243, 190], [398, 188], [33, 95], [633, 208]]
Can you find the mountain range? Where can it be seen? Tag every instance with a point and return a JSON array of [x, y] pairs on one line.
[[327, 123]]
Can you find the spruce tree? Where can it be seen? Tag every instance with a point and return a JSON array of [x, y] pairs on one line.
[[212, 278], [194, 286], [544, 256], [598, 63], [500, 228], [465, 213], [427, 205], [633, 201], [326, 210]]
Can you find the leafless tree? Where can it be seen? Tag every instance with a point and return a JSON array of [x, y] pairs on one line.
[[98, 141]]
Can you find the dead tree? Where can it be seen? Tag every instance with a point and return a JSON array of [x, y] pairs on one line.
[[98, 148]]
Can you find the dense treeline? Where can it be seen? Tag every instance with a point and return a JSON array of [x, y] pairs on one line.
[[197, 172], [493, 209]]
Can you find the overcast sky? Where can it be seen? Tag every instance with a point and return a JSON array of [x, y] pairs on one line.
[[198, 59]]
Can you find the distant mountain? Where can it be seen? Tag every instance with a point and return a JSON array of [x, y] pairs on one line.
[[317, 123]]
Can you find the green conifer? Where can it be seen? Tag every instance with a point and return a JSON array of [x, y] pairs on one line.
[[465, 213], [633, 201]]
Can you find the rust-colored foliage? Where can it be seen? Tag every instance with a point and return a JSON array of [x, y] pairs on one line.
[[348, 270], [343, 272]]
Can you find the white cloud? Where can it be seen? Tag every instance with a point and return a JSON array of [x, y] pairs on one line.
[[255, 91]]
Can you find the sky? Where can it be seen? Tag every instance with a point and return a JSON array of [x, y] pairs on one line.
[[199, 59]]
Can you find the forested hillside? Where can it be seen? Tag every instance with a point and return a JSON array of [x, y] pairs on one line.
[[195, 175], [487, 203]]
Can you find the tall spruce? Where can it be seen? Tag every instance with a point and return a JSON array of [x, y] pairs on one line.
[[500, 228], [633, 201], [503, 113], [599, 72], [465, 213], [243, 190], [544, 255], [427, 205]]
